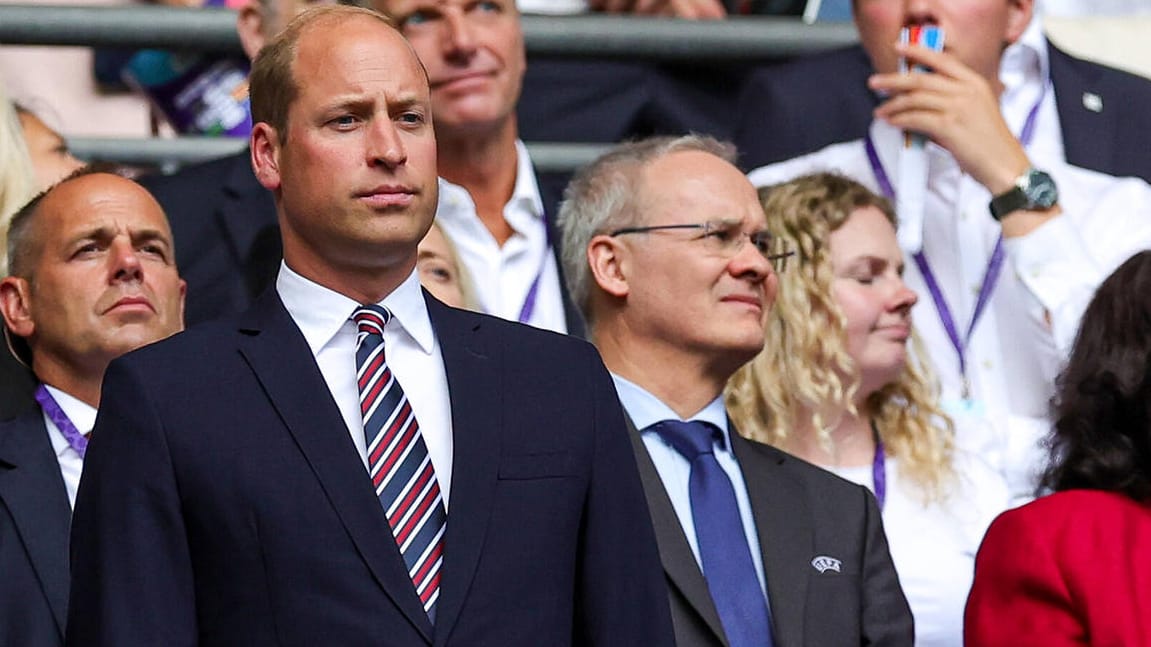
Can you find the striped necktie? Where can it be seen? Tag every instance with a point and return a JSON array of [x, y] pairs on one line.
[[398, 460]]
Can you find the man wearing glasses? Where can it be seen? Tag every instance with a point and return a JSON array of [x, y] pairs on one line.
[[758, 547]]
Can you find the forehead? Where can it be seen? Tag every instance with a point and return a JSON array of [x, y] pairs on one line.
[[695, 186], [355, 54], [95, 201], [867, 231]]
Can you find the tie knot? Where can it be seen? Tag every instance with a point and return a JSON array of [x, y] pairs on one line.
[[691, 439], [370, 319]]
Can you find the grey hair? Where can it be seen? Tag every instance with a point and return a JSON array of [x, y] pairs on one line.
[[603, 197]]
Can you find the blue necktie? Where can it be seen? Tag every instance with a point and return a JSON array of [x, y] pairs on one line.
[[727, 564]]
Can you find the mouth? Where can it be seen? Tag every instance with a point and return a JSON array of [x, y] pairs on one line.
[[896, 332], [461, 79], [750, 301], [132, 304], [388, 196]]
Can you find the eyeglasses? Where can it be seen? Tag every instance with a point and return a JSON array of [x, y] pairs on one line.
[[725, 237]]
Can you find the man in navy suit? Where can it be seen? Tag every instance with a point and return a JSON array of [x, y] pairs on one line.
[[242, 488], [92, 277], [667, 253], [802, 106]]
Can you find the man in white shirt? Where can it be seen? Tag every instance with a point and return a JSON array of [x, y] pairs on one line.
[[349, 462], [1007, 255], [666, 251], [493, 205], [92, 276]]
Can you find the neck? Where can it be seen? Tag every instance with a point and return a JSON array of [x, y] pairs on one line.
[[485, 164], [852, 441], [79, 381], [361, 282], [684, 383]]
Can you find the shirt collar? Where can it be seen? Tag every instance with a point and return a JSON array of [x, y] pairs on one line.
[[526, 194], [1026, 61], [320, 312], [645, 409], [82, 415]]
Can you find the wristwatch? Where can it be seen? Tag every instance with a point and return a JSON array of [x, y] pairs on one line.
[[1033, 191]]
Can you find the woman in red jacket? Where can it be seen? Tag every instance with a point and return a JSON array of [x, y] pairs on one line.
[[1074, 567]]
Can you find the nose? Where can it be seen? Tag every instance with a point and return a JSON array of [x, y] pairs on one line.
[[125, 262], [749, 264], [385, 145], [459, 38], [903, 297]]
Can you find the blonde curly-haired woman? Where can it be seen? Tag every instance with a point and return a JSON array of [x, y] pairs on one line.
[[838, 385]]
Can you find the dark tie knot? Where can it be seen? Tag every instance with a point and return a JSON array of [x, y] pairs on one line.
[[371, 319], [691, 439]]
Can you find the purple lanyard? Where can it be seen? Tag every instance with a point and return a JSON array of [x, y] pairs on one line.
[[529, 305], [77, 440], [879, 468], [994, 264]]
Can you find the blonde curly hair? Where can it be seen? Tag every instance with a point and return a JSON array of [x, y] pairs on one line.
[[804, 369], [17, 181]]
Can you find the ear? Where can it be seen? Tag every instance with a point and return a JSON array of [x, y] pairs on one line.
[[183, 295], [1018, 17], [609, 264], [250, 27], [16, 307], [264, 147]]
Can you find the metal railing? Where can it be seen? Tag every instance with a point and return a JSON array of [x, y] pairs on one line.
[[671, 41]]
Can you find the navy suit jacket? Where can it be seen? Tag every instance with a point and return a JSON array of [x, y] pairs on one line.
[[17, 383], [803, 106], [801, 512], [34, 517], [228, 237], [223, 502]]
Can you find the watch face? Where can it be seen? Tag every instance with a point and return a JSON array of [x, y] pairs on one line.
[[1040, 190]]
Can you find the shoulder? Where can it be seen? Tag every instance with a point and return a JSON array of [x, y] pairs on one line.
[[1066, 68], [823, 487], [844, 157], [517, 341], [195, 175]]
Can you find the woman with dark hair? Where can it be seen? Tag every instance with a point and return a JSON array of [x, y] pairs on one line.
[[1074, 567]]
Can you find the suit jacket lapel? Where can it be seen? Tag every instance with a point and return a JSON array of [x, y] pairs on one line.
[[279, 356], [674, 552], [1087, 134], [785, 534], [32, 489], [247, 217], [474, 370]]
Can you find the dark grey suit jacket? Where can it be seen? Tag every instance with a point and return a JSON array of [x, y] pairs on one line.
[[34, 517], [801, 512]]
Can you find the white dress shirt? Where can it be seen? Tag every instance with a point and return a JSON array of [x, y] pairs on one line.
[[503, 275], [645, 410], [933, 546], [411, 349], [1030, 322], [83, 417]]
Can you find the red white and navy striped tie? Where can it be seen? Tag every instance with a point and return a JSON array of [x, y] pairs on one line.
[[398, 460]]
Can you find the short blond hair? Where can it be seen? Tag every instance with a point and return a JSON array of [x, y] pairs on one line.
[[272, 84]]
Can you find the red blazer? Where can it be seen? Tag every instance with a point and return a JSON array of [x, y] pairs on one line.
[[1073, 568]]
